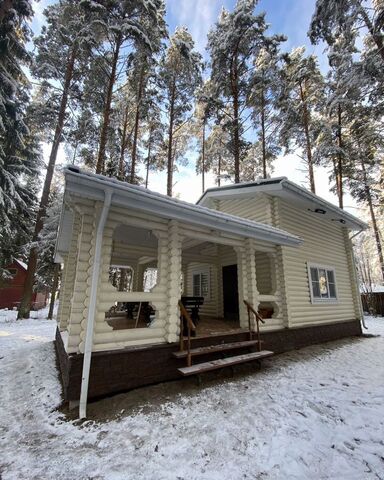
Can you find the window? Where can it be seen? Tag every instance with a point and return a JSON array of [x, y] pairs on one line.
[[12, 272], [322, 283], [201, 284]]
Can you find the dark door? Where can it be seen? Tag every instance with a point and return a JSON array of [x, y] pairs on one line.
[[230, 292]]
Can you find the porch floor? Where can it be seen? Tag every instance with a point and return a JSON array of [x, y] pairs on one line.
[[216, 326], [206, 327]]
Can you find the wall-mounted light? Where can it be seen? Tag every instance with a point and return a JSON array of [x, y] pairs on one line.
[[318, 210], [341, 220]]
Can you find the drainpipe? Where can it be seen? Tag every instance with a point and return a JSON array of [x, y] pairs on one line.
[[354, 266], [89, 329]]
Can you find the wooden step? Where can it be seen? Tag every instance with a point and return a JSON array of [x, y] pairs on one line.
[[222, 347], [223, 362]]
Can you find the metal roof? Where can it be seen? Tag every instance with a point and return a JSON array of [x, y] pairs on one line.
[[93, 186], [290, 191]]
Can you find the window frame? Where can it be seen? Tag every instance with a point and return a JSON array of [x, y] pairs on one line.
[[201, 272], [319, 300]]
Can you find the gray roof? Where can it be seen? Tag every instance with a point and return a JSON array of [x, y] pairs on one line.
[[93, 186], [291, 192]]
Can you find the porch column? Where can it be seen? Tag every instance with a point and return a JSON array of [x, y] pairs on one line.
[[80, 299], [162, 279], [173, 288], [246, 271], [242, 285], [68, 276]]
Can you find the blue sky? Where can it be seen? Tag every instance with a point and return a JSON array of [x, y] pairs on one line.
[[289, 17]]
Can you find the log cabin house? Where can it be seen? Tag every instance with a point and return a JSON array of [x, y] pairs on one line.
[[154, 288], [12, 288]]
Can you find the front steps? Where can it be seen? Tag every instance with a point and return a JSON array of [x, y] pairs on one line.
[[222, 347], [213, 351], [223, 362]]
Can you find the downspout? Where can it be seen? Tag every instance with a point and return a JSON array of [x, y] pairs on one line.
[[89, 329], [354, 266]]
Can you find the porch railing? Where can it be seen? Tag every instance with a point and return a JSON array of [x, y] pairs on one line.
[[185, 317], [258, 317]]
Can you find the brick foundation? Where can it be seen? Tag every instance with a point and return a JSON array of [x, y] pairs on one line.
[[121, 370]]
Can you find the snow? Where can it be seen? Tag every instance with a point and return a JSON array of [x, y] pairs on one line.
[[22, 264], [312, 413]]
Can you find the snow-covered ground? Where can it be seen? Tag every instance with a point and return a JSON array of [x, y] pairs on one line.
[[316, 413]]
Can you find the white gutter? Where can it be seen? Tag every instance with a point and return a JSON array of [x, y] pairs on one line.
[[92, 306]]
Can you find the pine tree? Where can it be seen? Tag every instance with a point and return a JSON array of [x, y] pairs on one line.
[[121, 23], [300, 100], [342, 95], [204, 109], [351, 15], [263, 100], [217, 155], [368, 150], [233, 42], [179, 77], [60, 44], [153, 140], [19, 144]]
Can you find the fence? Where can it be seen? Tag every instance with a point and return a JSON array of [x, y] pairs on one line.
[[373, 303]]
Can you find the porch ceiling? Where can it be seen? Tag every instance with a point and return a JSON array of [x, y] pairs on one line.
[[137, 198]]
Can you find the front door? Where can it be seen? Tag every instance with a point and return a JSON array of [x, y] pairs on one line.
[[230, 292]]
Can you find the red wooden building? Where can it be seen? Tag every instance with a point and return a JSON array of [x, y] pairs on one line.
[[11, 290]]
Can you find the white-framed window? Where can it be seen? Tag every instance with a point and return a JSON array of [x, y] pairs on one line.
[[201, 284], [322, 283]]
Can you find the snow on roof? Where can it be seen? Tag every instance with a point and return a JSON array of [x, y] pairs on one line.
[[282, 187], [94, 186], [22, 264]]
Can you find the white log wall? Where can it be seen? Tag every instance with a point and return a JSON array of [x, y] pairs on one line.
[[288, 288], [68, 276], [324, 244]]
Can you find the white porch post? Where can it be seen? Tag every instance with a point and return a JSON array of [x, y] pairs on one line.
[[174, 273], [246, 270], [242, 285]]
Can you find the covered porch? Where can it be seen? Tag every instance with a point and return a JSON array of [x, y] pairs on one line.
[[130, 255]]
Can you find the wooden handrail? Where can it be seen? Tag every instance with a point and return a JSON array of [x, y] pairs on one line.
[[258, 317], [190, 326], [257, 314], [186, 315]]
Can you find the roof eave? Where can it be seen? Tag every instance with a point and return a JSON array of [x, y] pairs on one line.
[[94, 188]]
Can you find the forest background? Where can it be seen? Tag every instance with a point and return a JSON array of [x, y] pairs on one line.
[[184, 95]]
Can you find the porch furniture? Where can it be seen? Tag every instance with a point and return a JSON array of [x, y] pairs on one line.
[[192, 305], [139, 311]]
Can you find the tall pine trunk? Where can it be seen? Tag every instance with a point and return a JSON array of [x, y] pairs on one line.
[[123, 144], [107, 108], [306, 121], [373, 218], [264, 152], [236, 126], [170, 140], [136, 127], [203, 157], [25, 305], [148, 157], [219, 172], [339, 178], [56, 274]]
